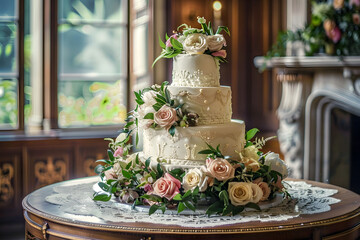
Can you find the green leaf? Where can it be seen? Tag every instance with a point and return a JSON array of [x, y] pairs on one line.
[[177, 197], [102, 197], [104, 186], [147, 162], [128, 165], [137, 161], [159, 170], [111, 155], [222, 28], [176, 44], [206, 151], [172, 130], [216, 207], [157, 106], [189, 205], [187, 194], [137, 138], [251, 133], [151, 198], [161, 43], [153, 209], [104, 161], [237, 210], [126, 174], [228, 209], [157, 59], [224, 196], [181, 207], [253, 205], [195, 192], [99, 169], [149, 116]]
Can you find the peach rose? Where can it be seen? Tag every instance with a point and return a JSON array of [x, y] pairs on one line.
[[338, 4], [165, 117], [240, 193], [220, 169], [265, 189], [220, 53], [166, 187], [356, 18], [329, 25], [110, 174], [257, 193]]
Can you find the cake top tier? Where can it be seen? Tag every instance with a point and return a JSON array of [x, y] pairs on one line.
[[197, 53]]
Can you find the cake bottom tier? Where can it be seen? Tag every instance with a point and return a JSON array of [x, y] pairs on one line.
[[182, 149]]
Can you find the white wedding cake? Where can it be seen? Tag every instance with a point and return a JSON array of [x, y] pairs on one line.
[[196, 85]]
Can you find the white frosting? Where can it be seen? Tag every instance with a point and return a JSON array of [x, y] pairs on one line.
[[182, 149], [199, 70], [212, 104]]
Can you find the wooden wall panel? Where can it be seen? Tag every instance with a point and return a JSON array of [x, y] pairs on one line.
[[10, 183]]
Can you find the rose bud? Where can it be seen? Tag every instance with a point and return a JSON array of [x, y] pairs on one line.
[[128, 196]]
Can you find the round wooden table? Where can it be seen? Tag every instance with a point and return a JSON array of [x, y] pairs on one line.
[[45, 221]]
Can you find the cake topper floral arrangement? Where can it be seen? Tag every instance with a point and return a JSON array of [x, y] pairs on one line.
[[195, 41]]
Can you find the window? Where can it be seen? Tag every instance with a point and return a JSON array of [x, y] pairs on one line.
[[81, 62]]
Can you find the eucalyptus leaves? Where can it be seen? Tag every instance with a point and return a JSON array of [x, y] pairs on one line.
[[195, 41]]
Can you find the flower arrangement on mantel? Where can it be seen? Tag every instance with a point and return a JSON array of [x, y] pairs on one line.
[[334, 30], [228, 186]]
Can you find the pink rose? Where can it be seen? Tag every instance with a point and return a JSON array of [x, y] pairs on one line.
[[354, 2], [356, 18], [258, 180], [148, 188], [119, 152], [110, 174], [334, 34], [168, 43], [265, 189], [220, 53], [165, 117], [220, 169], [166, 187]]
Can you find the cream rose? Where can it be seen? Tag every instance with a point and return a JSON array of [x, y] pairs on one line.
[[250, 164], [220, 169], [215, 42], [265, 190], [257, 193], [195, 43], [250, 152], [165, 117], [275, 163], [195, 178], [149, 98], [166, 187], [240, 193]]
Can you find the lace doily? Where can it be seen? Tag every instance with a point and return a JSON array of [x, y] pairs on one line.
[[77, 201]]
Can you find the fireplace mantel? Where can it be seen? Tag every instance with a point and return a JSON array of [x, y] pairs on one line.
[[312, 87]]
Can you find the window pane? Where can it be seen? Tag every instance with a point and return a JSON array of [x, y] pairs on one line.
[[7, 8], [8, 104], [7, 48], [93, 10], [89, 49], [141, 49], [86, 103]]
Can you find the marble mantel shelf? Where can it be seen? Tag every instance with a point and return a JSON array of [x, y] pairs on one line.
[[308, 62], [312, 87]]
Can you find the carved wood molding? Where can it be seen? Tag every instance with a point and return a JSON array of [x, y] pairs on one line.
[[50, 171], [6, 188]]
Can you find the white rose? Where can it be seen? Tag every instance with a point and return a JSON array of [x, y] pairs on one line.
[[195, 178], [195, 43], [275, 163], [215, 42], [149, 98]]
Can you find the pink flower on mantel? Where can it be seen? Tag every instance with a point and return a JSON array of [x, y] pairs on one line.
[[354, 2], [356, 18], [119, 152], [168, 43], [166, 187], [334, 34], [220, 53]]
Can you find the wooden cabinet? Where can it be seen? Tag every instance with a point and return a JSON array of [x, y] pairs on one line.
[[28, 165]]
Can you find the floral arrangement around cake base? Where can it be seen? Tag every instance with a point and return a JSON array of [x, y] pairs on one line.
[[229, 186]]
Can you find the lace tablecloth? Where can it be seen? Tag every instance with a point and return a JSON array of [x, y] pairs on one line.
[[77, 201]]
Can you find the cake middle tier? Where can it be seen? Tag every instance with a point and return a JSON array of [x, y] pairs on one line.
[[212, 104], [184, 147]]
